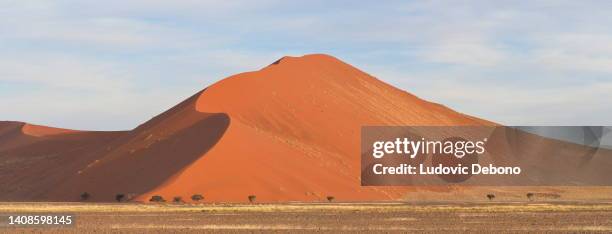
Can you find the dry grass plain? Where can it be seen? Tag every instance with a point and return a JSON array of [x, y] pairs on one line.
[[326, 217]]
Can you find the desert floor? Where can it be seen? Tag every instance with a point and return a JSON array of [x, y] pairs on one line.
[[329, 217]]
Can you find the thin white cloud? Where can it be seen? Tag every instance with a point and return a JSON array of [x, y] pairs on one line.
[[465, 53], [575, 52], [60, 71]]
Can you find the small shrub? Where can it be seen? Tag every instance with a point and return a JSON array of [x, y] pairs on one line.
[[490, 196], [330, 198], [177, 199], [119, 197], [252, 198], [197, 197], [530, 196], [157, 198], [85, 196]]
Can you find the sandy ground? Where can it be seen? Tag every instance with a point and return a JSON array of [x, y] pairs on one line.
[[346, 217]]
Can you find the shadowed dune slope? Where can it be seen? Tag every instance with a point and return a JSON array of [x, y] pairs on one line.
[[144, 158], [34, 159]]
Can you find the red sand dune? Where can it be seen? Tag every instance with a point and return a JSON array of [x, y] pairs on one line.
[[294, 132], [288, 132]]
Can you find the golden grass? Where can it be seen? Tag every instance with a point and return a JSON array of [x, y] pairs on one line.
[[344, 207]]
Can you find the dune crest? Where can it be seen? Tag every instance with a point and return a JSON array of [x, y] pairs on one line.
[[40, 131]]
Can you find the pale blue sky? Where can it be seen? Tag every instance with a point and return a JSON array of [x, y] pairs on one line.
[[110, 65]]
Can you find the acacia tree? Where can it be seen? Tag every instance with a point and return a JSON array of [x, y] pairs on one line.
[[252, 198], [119, 197], [197, 197], [157, 198], [85, 196]]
